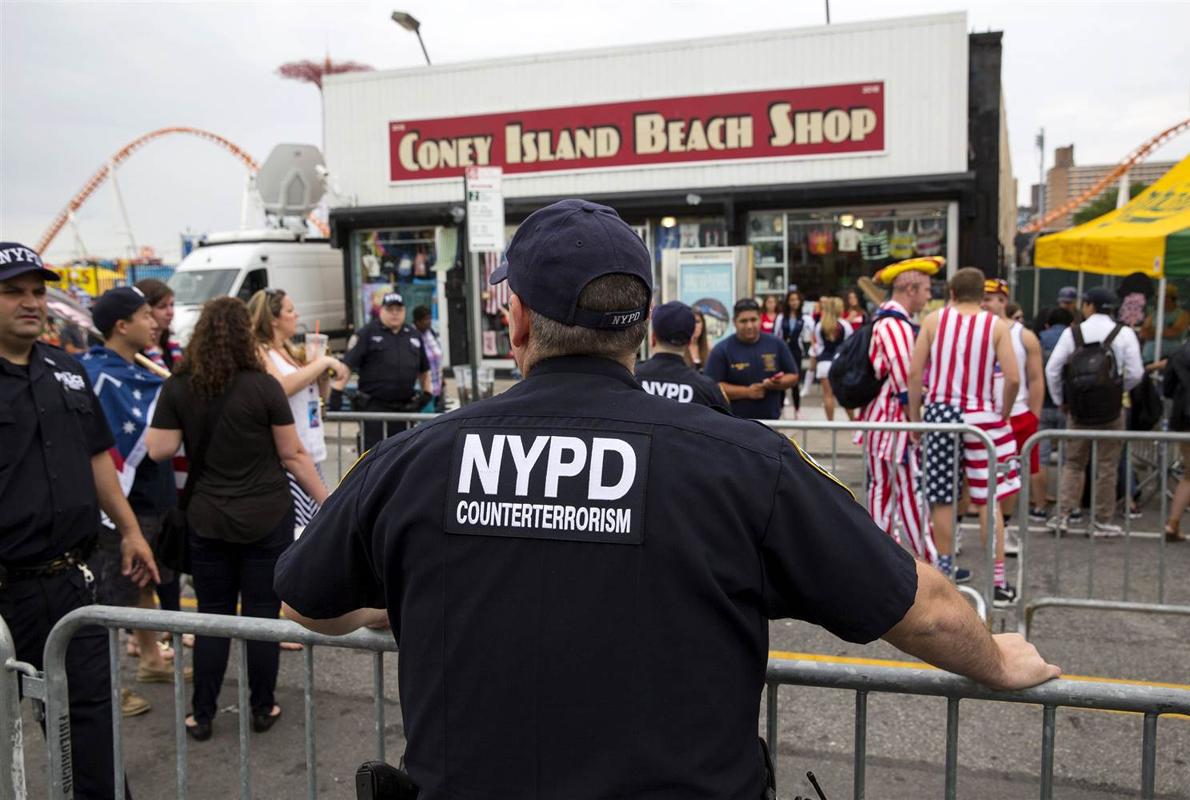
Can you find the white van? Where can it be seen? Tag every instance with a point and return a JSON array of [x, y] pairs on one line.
[[240, 264]]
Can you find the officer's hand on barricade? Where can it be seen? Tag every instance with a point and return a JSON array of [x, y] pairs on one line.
[[1021, 666], [137, 562]]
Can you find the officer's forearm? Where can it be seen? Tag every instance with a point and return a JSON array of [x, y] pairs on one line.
[[338, 626], [111, 497], [733, 392], [944, 630], [425, 383]]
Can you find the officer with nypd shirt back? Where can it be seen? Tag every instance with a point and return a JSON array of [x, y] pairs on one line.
[[55, 473], [666, 374], [391, 361], [544, 580]]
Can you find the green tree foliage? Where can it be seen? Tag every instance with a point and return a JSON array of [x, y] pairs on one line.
[[1105, 202]]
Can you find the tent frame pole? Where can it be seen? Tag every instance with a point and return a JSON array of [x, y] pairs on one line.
[[1159, 328]]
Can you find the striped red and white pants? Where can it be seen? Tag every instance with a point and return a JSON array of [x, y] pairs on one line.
[[896, 504]]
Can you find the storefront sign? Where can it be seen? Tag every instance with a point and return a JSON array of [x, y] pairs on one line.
[[485, 210], [821, 120]]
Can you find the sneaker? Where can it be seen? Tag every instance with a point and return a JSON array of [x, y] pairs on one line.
[[1004, 596], [1012, 543], [1076, 516], [1038, 514], [132, 704], [146, 674], [1135, 513], [962, 575], [1106, 530], [1058, 524]]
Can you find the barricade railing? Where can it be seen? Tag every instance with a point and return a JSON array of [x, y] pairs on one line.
[[391, 424], [178, 622], [1130, 440], [1151, 701], [957, 430], [12, 736]]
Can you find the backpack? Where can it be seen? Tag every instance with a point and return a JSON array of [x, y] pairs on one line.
[[853, 379], [1146, 406], [1093, 387]]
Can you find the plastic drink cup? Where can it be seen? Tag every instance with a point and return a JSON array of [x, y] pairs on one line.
[[316, 344]]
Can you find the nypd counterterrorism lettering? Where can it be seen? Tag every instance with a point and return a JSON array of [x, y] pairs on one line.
[[573, 485]]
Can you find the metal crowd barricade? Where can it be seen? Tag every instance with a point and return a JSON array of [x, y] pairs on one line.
[[178, 622], [957, 430], [1161, 439], [1150, 701], [12, 748], [392, 422]]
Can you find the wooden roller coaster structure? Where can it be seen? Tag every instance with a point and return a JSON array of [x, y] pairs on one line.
[[122, 155], [1129, 161]]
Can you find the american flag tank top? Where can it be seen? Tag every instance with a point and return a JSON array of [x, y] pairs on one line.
[[962, 361]]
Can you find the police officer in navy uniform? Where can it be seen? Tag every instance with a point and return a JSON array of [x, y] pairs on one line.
[[392, 362], [666, 374], [546, 576], [55, 474], [752, 367]]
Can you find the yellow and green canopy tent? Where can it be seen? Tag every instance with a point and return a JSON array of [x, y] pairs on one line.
[[1151, 234]]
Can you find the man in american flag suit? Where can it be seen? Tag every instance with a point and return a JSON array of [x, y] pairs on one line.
[[893, 461]]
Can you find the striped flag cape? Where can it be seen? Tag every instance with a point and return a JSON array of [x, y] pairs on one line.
[[128, 394]]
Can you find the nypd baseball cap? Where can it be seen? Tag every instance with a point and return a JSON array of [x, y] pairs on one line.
[[561, 248], [16, 259], [673, 322], [393, 299], [115, 305]]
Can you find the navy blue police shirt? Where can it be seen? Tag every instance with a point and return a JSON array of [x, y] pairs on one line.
[[51, 424], [579, 613], [732, 361], [667, 375], [388, 361]]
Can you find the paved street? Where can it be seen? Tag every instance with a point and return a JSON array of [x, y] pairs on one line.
[[1098, 753]]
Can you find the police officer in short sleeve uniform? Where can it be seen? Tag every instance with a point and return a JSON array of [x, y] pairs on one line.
[[392, 362], [543, 578], [52, 429], [666, 374]]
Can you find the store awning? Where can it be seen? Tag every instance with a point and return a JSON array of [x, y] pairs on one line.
[[1151, 234]]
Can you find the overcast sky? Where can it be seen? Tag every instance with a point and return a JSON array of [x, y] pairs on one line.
[[80, 80]]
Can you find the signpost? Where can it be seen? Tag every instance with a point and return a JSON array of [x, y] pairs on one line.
[[483, 189]]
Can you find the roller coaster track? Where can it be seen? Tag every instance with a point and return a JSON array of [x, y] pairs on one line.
[[1129, 161], [122, 155]]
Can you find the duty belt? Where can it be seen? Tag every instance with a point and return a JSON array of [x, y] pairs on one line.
[[73, 558]]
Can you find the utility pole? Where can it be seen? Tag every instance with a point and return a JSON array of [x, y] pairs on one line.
[[1041, 167], [828, 12]]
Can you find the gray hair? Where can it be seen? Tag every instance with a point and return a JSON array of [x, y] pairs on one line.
[[615, 292]]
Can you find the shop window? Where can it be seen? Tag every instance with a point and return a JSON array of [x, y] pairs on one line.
[[826, 251], [390, 259]]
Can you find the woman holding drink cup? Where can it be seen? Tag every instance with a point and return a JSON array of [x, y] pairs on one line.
[[303, 376]]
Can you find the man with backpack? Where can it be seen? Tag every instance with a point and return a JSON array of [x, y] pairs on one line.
[[1093, 364], [893, 462]]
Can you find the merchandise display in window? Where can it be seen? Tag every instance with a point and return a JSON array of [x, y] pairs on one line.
[[826, 251], [392, 258]]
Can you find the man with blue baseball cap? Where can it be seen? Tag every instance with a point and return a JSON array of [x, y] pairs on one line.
[[55, 475], [544, 555], [666, 374]]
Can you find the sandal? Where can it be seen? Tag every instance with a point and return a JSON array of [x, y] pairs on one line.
[[1172, 534]]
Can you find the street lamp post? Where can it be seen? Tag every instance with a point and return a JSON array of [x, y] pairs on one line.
[[410, 23]]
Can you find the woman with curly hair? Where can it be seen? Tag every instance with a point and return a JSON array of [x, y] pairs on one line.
[[240, 510]]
